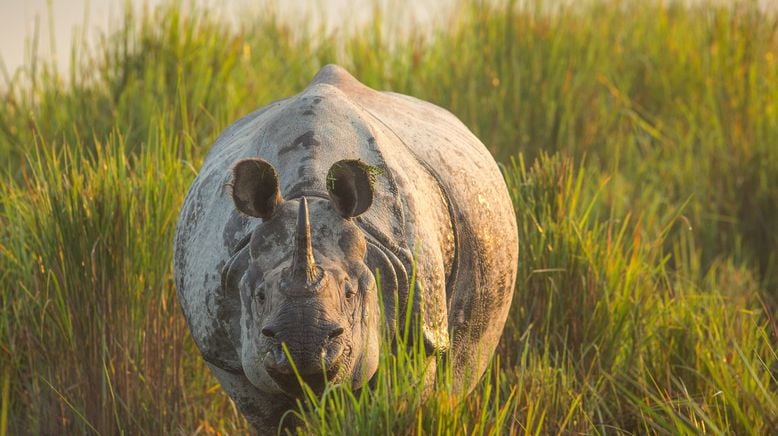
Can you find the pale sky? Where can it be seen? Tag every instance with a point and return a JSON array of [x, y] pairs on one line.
[[18, 20]]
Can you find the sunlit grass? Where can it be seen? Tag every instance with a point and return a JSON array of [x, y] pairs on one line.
[[639, 143]]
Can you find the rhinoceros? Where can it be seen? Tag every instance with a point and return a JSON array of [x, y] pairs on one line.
[[302, 204]]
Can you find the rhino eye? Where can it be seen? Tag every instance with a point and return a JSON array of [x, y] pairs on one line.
[[348, 289], [261, 295]]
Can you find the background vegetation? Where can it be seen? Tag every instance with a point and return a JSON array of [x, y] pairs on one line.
[[639, 142]]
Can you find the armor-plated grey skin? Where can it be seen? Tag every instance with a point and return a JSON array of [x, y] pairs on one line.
[[295, 208]]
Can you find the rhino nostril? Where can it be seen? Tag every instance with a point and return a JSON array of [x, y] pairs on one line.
[[269, 332], [335, 333], [277, 362]]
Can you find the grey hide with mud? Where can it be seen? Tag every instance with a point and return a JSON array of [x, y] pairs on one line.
[[300, 204]]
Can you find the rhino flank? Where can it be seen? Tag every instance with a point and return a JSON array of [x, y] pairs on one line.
[[299, 204]]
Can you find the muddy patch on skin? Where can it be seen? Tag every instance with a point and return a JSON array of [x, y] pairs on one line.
[[305, 141]]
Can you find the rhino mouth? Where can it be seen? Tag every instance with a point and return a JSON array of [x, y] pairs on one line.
[[291, 383]]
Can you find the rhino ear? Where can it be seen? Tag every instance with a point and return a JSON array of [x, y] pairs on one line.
[[255, 188], [350, 184]]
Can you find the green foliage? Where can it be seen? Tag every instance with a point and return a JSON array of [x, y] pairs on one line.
[[639, 143]]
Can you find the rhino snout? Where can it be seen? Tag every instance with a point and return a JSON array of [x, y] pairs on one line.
[[317, 357]]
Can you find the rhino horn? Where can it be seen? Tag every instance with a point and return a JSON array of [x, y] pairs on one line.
[[303, 265]]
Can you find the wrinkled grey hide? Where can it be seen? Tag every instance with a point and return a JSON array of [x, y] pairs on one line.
[[271, 249]]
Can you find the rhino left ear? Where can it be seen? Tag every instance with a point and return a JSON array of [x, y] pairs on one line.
[[350, 184], [255, 188]]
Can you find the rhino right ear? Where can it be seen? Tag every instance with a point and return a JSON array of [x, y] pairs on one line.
[[350, 184], [255, 188]]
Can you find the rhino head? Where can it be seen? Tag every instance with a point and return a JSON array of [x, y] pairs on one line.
[[304, 284]]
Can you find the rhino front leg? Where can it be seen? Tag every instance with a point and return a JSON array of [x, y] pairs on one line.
[[261, 409]]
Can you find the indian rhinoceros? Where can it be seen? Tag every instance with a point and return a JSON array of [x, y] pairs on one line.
[[301, 204]]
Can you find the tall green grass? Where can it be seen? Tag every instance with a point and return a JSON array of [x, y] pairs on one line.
[[639, 143]]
